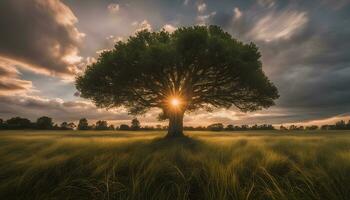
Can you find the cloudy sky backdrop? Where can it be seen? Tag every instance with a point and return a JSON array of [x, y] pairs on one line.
[[304, 45]]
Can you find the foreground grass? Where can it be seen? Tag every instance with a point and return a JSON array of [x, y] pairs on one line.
[[205, 165]]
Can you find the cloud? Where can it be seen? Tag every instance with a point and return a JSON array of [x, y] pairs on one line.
[[237, 13], [266, 3], [311, 70], [84, 62], [204, 19], [186, 2], [140, 26], [279, 25], [305, 57], [41, 35], [10, 81], [36, 106], [336, 5], [169, 28], [113, 8], [13, 85], [330, 120], [33, 107], [201, 7], [114, 38]]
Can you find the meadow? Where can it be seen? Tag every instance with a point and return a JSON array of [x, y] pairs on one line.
[[205, 165]]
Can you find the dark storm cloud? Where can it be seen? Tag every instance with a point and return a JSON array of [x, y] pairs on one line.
[[41, 34], [304, 52], [312, 69]]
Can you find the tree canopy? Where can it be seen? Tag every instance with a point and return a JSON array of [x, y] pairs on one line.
[[44, 123], [201, 67], [83, 124], [135, 124]]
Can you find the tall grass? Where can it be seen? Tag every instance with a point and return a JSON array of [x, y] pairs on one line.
[[125, 165]]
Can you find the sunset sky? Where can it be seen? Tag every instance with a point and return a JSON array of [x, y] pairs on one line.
[[305, 48]]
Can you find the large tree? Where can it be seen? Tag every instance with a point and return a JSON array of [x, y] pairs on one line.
[[192, 68]]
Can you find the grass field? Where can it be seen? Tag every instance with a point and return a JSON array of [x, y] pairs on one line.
[[205, 165]]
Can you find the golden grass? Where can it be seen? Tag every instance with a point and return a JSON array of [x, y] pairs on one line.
[[205, 165]]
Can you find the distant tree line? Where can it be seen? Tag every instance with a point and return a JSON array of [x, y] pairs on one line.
[[42, 123], [46, 123], [230, 127], [339, 125]]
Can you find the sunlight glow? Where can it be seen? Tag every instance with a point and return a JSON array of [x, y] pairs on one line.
[[175, 102]]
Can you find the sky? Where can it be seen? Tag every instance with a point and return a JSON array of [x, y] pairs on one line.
[[304, 46]]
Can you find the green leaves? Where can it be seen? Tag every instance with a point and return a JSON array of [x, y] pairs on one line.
[[204, 66]]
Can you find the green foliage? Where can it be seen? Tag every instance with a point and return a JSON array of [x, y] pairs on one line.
[[204, 66], [67, 126], [126, 165], [124, 127], [101, 125], [111, 127], [18, 123], [83, 124], [216, 127], [135, 124], [44, 123]]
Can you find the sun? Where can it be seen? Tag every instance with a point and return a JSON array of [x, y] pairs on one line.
[[175, 102]]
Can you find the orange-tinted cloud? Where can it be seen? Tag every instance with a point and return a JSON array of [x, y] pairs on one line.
[[10, 81], [41, 34]]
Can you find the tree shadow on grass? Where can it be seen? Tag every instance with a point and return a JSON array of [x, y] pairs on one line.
[[184, 141], [147, 148]]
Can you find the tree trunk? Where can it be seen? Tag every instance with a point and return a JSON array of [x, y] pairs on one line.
[[175, 128]]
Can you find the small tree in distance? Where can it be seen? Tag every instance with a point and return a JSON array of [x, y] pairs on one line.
[[124, 127], [111, 127], [83, 124], [216, 127], [64, 126], [192, 68], [230, 127], [67, 126], [44, 123], [135, 124], [101, 125]]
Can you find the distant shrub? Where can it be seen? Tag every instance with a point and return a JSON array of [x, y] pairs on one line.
[[216, 127], [311, 128], [135, 124], [66, 126], [111, 127], [83, 124], [124, 127], [101, 125]]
